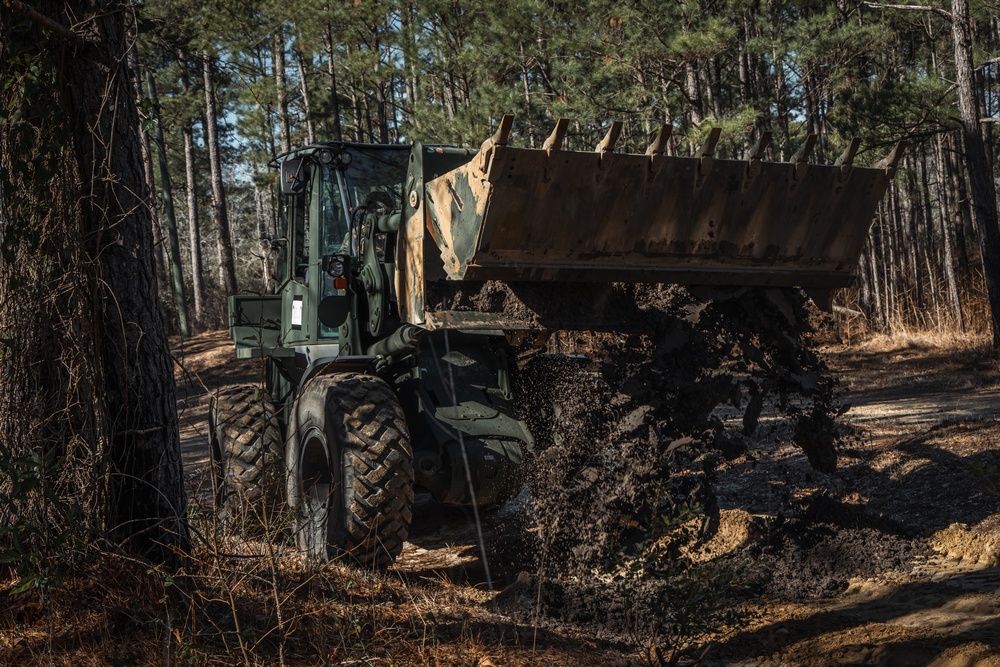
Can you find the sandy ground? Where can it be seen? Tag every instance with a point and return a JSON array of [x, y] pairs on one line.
[[920, 456], [923, 456]]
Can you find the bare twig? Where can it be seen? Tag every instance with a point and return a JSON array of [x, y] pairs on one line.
[[44, 22], [991, 61], [922, 8]]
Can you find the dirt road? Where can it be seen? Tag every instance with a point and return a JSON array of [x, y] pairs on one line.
[[923, 466]]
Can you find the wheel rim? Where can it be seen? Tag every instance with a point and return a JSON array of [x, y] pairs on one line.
[[316, 474]]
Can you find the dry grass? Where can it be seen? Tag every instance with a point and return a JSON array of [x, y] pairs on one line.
[[923, 341], [246, 602]]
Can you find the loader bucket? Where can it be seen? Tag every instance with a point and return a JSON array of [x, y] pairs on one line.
[[517, 214]]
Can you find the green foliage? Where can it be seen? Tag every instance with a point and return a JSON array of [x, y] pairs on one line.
[[445, 71], [23, 477]]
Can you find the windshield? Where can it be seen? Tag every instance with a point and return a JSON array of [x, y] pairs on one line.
[[370, 170], [375, 170], [333, 214]]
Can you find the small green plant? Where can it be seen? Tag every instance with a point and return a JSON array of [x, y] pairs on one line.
[[25, 539], [680, 601]]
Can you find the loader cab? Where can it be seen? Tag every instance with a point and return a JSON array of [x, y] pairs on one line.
[[324, 191]]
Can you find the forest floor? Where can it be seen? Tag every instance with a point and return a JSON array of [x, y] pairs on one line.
[[894, 559]]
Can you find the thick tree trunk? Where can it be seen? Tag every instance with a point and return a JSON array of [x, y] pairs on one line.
[[227, 266], [106, 372], [981, 187], [148, 501]]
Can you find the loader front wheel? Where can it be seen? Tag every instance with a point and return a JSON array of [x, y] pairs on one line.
[[247, 457], [350, 470]]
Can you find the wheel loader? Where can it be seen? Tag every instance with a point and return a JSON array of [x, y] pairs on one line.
[[381, 383]]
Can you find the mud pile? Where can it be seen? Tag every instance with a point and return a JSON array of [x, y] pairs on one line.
[[825, 544], [629, 434]]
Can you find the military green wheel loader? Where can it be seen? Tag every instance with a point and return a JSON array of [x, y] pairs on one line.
[[380, 386]]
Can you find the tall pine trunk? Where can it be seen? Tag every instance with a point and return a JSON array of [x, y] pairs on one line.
[[169, 217], [281, 90], [300, 60], [981, 186], [227, 266], [194, 228], [331, 69]]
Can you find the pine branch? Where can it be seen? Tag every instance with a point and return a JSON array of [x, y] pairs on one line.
[[44, 22]]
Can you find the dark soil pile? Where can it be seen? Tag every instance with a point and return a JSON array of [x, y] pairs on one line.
[[611, 612], [817, 552]]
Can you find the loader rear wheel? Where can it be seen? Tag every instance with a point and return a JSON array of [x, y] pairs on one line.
[[248, 459], [350, 470]]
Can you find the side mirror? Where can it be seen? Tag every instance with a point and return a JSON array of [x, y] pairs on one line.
[[293, 181]]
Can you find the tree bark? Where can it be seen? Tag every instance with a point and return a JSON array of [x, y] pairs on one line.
[[981, 187], [148, 501], [154, 214], [280, 86], [331, 70], [300, 60], [102, 239], [194, 228], [945, 197], [227, 266]]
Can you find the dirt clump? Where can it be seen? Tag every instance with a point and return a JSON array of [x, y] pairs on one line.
[[804, 560], [958, 541]]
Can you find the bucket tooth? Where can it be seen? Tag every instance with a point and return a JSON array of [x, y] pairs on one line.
[[706, 153], [890, 161], [802, 156], [499, 138], [607, 144], [555, 140], [847, 157], [800, 161], [757, 154], [659, 145], [708, 148]]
